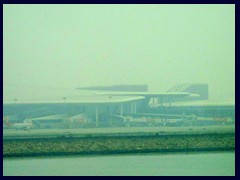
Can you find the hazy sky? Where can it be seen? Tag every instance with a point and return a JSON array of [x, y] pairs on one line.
[[50, 48]]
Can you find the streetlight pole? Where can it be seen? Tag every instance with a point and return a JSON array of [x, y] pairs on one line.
[[65, 113], [15, 111], [110, 110], [64, 102]]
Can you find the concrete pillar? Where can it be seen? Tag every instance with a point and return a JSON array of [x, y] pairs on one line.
[[131, 107], [156, 100], [135, 108], [161, 101], [96, 116], [121, 109]]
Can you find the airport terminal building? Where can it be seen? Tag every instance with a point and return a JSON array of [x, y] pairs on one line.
[[118, 106]]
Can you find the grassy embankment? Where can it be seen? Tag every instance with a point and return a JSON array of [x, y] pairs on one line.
[[118, 145]]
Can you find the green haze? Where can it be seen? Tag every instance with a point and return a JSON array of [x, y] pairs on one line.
[[56, 47]]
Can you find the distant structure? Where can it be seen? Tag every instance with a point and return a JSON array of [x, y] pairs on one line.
[[183, 104], [195, 88], [137, 88]]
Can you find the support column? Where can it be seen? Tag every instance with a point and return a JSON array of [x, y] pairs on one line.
[[161, 101], [156, 100], [121, 109], [131, 107], [135, 108]]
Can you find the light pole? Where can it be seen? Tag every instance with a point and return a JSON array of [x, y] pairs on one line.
[[15, 101], [64, 101], [110, 111], [64, 105], [64, 109]]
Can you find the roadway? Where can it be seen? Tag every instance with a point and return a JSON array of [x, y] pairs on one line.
[[113, 131]]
